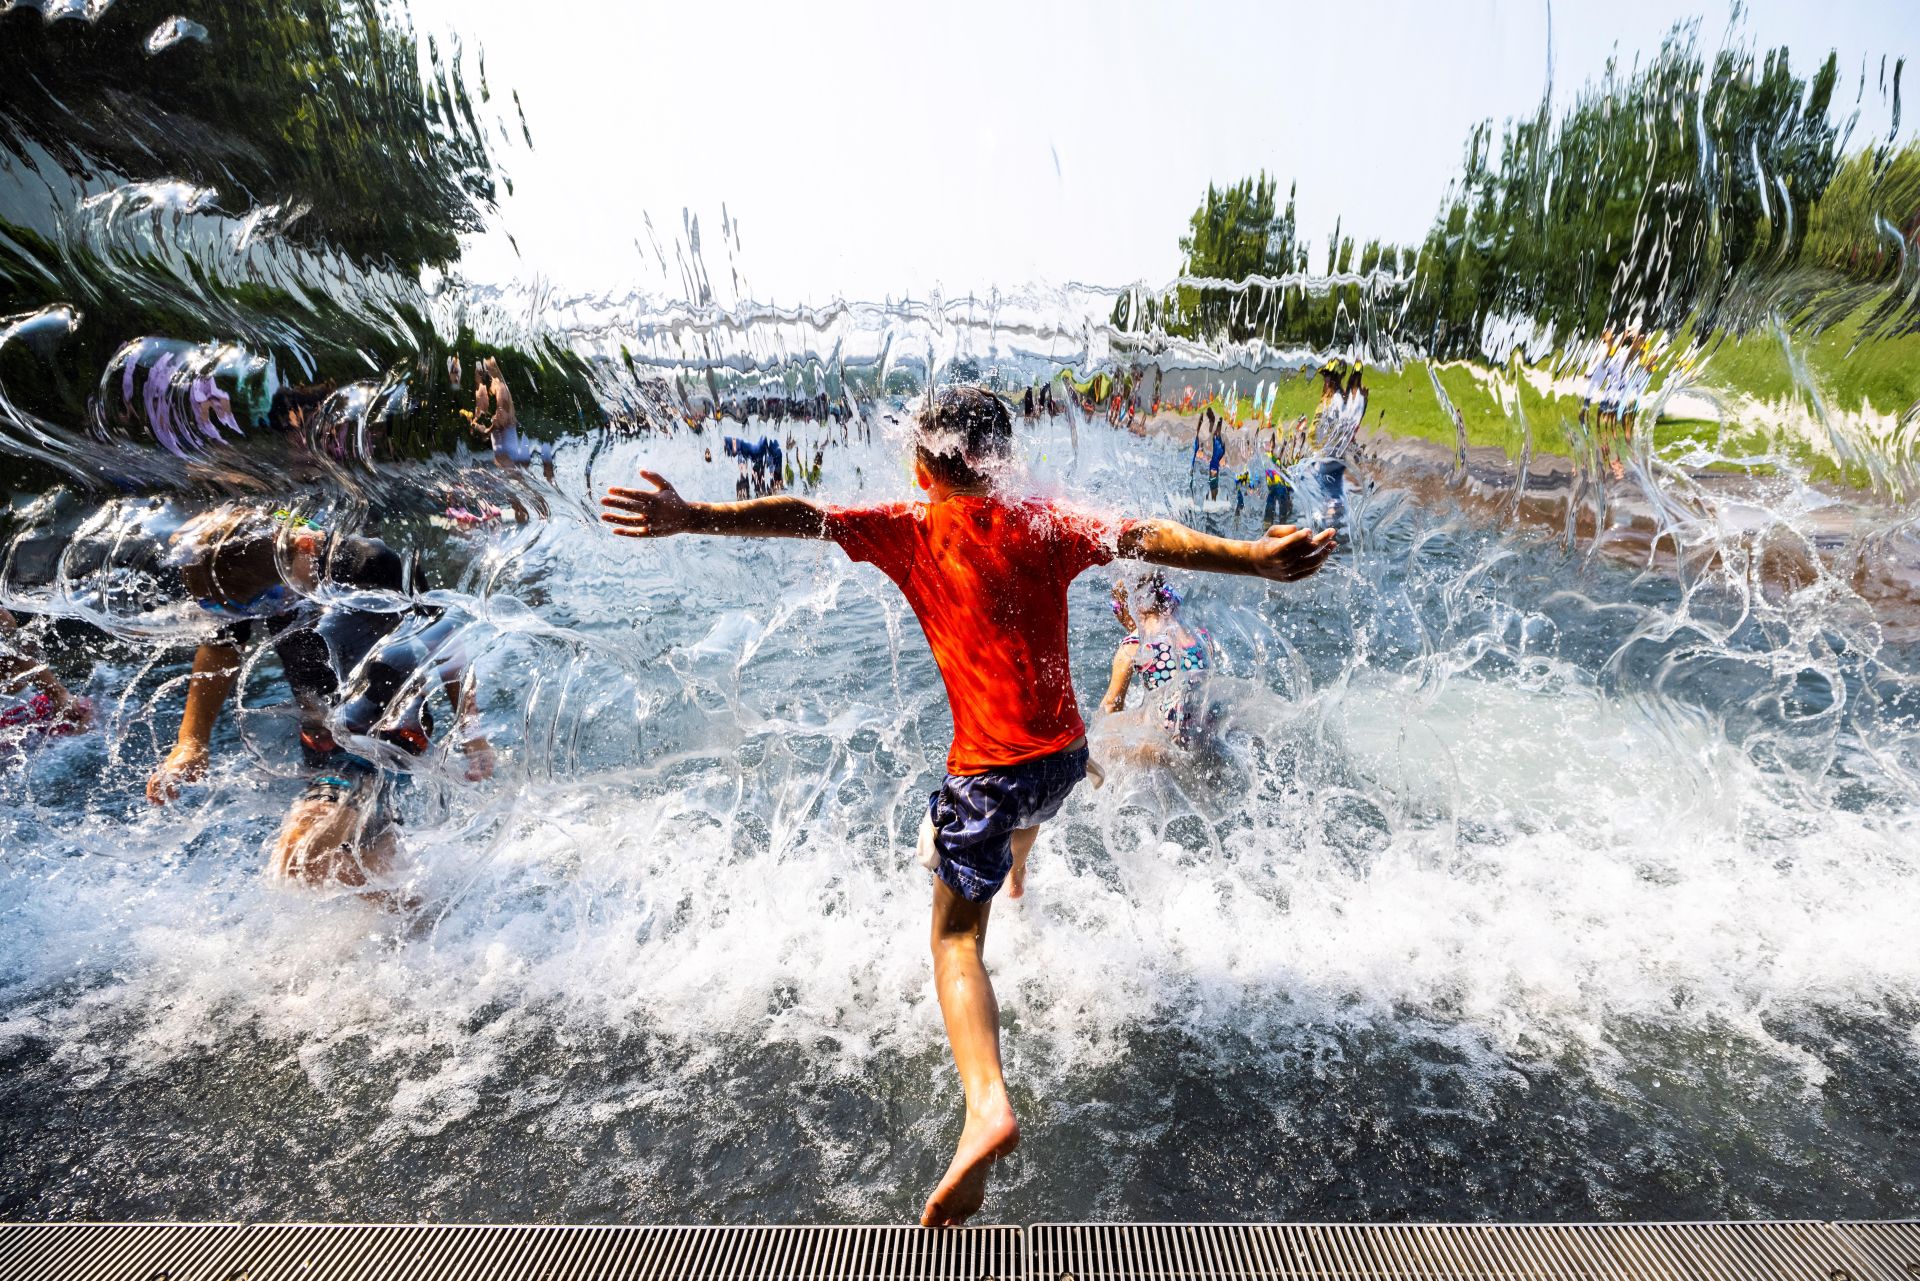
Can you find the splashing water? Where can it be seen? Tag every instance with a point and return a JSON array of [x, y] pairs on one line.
[[1560, 859]]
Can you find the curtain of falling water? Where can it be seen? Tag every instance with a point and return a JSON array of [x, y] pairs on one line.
[[1557, 859]]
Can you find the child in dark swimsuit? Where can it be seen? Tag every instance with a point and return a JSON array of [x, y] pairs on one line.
[[351, 669], [1213, 464], [986, 574]]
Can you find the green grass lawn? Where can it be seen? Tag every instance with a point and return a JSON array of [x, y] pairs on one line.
[[1407, 399], [1882, 374]]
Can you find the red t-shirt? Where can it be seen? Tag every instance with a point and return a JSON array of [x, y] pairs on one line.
[[987, 579]]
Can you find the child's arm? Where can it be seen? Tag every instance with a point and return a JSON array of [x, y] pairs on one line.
[[455, 672], [658, 512], [216, 666], [1116, 695], [1284, 554], [478, 751]]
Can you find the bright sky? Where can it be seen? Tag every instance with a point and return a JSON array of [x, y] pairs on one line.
[[871, 149]]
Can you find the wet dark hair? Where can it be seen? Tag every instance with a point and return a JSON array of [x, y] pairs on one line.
[[231, 554], [961, 433], [1149, 591], [289, 400], [228, 555]]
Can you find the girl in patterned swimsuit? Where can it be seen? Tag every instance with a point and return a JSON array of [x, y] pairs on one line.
[[1172, 660]]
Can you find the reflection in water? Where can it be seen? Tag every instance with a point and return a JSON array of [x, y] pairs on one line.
[[1549, 855]]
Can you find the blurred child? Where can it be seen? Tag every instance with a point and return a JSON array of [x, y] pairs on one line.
[[1172, 660], [352, 668], [49, 711], [494, 414]]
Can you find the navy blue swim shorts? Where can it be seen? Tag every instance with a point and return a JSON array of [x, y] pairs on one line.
[[974, 817]]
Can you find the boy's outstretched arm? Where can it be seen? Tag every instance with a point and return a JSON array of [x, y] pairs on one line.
[[658, 512], [1284, 554]]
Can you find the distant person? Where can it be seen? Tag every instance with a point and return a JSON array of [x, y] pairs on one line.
[[1332, 402], [1614, 376], [1218, 454], [292, 408], [1272, 468], [1353, 412], [482, 415], [986, 574], [355, 668], [1635, 379], [1246, 475], [212, 408], [761, 458], [493, 413]]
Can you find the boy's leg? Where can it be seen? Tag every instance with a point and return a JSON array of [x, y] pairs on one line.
[[973, 1030], [1017, 878]]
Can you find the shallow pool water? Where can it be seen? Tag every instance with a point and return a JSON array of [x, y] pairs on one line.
[[1530, 884]]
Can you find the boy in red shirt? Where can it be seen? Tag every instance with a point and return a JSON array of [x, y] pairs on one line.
[[987, 576]]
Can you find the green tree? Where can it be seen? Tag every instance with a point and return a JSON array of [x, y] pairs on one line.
[[1640, 206], [1651, 200], [324, 107], [319, 105]]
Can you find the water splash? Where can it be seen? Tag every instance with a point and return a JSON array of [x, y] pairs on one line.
[[1560, 853], [172, 32]]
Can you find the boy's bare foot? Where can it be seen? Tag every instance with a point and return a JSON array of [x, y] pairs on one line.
[[989, 1135]]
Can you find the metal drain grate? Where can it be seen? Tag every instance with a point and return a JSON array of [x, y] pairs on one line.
[[1048, 1252], [1892, 1248], [417, 1252], [1416, 1252], [134, 1251]]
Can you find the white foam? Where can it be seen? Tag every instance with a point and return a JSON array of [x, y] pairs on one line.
[[1502, 844]]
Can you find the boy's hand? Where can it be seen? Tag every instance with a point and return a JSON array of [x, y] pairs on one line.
[[186, 763], [1288, 552], [647, 513]]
